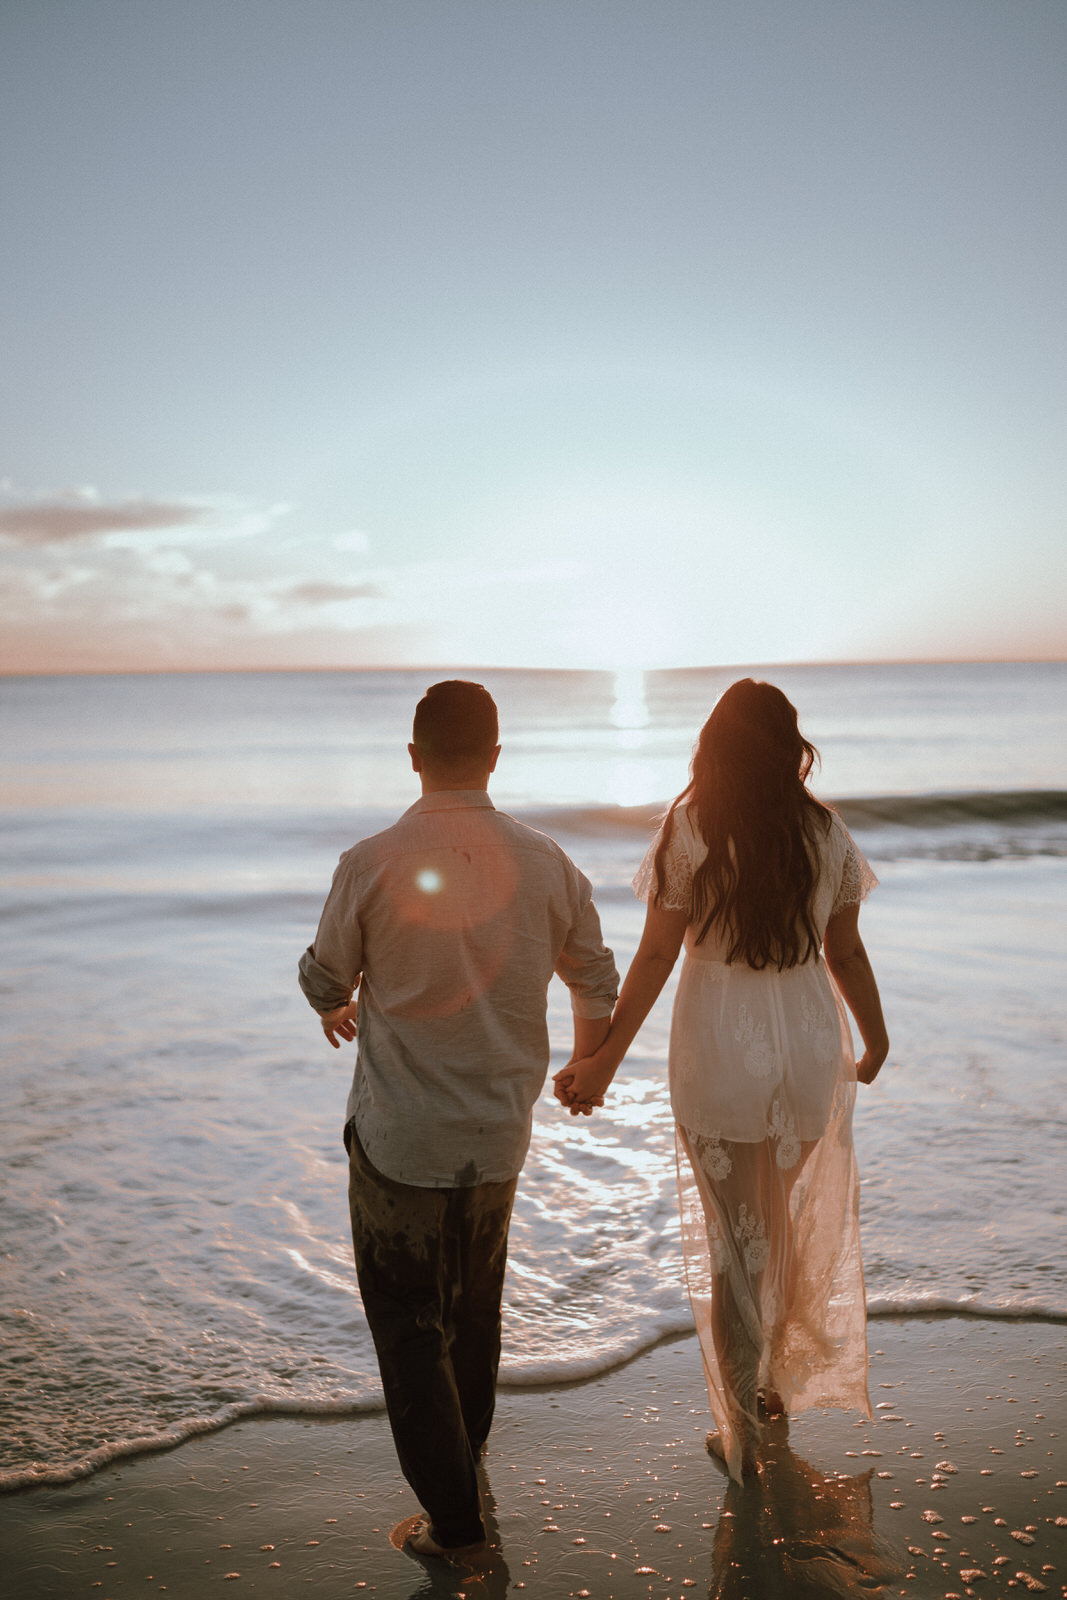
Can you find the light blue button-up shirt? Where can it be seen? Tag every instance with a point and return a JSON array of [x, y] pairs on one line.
[[452, 923]]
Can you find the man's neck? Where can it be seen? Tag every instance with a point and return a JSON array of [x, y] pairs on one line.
[[440, 785], [437, 778]]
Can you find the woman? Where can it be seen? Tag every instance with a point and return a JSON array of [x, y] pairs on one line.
[[755, 875]]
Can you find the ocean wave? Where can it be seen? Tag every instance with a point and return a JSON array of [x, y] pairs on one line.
[[939, 1305], [280, 865], [515, 1375], [674, 1325], [57, 1474], [594, 819], [1005, 808], [1002, 807], [980, 825]]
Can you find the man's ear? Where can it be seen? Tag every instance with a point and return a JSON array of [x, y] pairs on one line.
[[416, 759], [493, 759]]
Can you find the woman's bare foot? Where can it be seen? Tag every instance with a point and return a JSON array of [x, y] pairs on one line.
[[714, 1446]]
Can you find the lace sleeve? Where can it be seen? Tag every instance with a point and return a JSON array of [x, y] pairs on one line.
[[857, 877], [676, 891]]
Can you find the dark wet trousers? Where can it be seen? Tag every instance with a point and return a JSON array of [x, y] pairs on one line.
[[430, 1264]]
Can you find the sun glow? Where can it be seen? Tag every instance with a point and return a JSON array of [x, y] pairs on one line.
[[633, 781]]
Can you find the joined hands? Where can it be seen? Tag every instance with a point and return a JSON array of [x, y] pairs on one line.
[[581, 1084]]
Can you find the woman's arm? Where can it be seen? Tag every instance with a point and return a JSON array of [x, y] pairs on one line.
[[850, 968], [582, 1082]]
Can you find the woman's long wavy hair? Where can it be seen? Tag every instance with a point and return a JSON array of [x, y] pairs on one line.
[[760, 824]]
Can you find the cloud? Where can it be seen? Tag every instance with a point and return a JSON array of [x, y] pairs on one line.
[[59, 521], [220, 519], [322, 594]]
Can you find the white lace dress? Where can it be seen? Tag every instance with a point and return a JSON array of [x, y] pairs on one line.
[[762, 1082]]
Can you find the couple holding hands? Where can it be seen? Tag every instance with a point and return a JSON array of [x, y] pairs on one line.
[[451, 924]]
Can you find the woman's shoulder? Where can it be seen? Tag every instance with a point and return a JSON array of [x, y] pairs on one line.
[[830, 829], [847, 866], [686, 825], [684, 817], [676, 852], [828, 841]]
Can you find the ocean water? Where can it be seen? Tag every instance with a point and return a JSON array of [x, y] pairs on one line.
[[173, 1212]]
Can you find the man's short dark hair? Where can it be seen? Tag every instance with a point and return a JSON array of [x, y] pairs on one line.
[[456, 723]]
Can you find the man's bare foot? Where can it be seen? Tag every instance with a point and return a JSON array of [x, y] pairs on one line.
[[420, 1538]]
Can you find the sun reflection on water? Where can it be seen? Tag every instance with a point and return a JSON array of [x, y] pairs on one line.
[[324, 1276], [631, 781], [630, 707]]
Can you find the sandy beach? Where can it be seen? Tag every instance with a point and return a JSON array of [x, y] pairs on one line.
[[604, 1489]]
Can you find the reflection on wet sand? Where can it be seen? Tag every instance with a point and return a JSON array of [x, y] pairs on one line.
[[793, 1532], [790, 1532]]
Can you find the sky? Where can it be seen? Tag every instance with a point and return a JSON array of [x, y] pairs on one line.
[[561, 333]]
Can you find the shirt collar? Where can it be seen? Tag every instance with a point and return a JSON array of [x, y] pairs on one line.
[[452, 800]]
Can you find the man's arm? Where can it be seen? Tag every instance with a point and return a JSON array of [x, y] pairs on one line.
[[330, 969], [333, 1000], [586, 965]]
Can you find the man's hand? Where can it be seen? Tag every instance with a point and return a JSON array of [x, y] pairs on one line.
[[341, 1020]]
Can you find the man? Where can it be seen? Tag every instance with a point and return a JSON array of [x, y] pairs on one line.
[[451, 923]]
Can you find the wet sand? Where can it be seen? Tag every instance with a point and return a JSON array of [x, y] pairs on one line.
[[604, 1489]]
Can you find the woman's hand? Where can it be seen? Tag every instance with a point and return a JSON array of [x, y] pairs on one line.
[[870, 1065], [582, 1083]]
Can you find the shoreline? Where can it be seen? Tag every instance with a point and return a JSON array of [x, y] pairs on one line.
[[116, 1453], [603, 1488]]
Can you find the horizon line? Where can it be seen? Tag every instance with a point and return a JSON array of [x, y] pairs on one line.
[[468, 667]]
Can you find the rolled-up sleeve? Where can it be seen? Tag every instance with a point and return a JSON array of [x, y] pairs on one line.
[[586, 965], [329, 969]]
